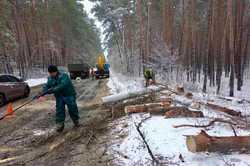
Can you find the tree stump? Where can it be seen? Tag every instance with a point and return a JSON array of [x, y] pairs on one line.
[[180, 89], [189, 95]]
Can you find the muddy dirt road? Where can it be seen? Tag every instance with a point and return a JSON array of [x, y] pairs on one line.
[[29, 138]]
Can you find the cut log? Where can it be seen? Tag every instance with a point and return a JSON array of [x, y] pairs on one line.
[[206, 143], [176, 112], [163, 109], [137, 100], [154, 108], [166, 102], [223, 109], [128, 95], [134, 101]]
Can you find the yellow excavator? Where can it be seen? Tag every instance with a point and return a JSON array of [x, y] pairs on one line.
[[102, 67]]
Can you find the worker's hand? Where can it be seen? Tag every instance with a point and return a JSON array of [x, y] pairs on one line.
[[50, 91], [40, 94], [42, 98], [37, 96]]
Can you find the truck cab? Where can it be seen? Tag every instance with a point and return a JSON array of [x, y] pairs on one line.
[[78, 71]]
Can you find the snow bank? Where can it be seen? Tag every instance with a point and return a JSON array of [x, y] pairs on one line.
[[35, 82]]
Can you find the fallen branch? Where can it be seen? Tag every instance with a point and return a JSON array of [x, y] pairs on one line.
[[142, 121], [204, 142], [223, 109], [205, 126], [235, 134], [144, 139], [240, 101], [181, 158]]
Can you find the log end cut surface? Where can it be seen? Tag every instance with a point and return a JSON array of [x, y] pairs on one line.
[[198, 143], [203, 142], [191, 144]]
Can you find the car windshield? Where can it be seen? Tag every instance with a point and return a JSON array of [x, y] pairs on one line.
[[4, 79], [8, 78], [13, 79]]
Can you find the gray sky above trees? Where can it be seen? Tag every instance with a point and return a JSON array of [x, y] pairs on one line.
[[87, 7]]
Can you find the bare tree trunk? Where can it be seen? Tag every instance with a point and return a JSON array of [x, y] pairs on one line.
[[231, 45]]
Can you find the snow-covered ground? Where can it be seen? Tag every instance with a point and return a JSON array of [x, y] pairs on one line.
[[119, 83], [172, 80], [165, 141], [35, 82]]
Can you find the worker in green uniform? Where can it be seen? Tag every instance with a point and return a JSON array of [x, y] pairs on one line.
[[61, 86], [149, 76]]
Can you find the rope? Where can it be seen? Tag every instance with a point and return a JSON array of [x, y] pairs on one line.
[[19, 107]]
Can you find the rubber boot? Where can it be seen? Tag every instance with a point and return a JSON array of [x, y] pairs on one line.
[[59, 128], [76, 123]]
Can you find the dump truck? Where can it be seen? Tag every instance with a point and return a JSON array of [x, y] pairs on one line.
[[102, 68], [78, 71]]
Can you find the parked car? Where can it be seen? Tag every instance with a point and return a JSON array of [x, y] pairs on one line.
[[11, 88]]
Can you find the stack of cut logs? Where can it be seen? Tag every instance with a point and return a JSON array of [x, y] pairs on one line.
[[165, 107], [195, 143]]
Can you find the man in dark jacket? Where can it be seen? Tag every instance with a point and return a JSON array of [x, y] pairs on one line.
[[61, 86], [149, 76]]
